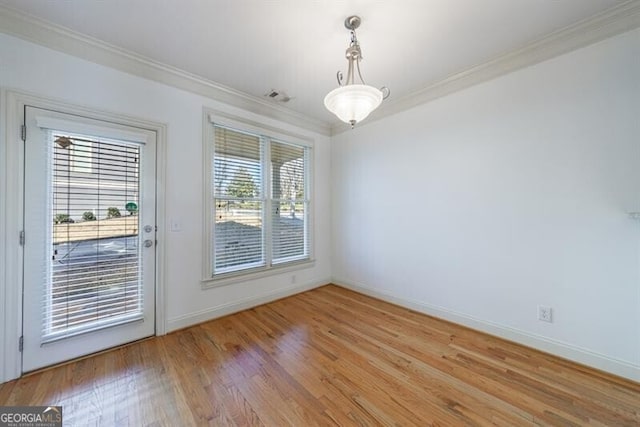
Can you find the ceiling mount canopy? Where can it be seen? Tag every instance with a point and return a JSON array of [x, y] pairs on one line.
[[352, 102]]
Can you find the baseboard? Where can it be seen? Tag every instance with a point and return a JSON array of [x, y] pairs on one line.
[[201, 316], [548, 345]]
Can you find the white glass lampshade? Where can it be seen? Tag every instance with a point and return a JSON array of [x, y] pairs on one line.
[[353, 103]]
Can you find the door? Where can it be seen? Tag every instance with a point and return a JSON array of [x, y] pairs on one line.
[[89, 236]]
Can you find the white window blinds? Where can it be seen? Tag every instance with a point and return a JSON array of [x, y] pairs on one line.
[[94, 277], [260, 202], [238, 205], [290, 203]]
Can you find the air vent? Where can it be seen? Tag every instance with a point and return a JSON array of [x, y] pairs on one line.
[[278, 95]]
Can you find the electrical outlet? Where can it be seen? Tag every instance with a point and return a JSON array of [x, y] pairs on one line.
[[293, 279], [544, 313]]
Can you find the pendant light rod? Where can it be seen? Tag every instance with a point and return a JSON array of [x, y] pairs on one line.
[[353, 52]]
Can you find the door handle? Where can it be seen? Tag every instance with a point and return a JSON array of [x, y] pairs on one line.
[[148, 243]]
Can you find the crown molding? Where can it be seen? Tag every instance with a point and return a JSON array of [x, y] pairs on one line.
[[611, 22], [53, 36], [616, 20]]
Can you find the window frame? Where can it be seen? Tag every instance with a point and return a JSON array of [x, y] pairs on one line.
[[211, 119]]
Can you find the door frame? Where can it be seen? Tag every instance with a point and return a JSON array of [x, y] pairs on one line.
[[11, 209]]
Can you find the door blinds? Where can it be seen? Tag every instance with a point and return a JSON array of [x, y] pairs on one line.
[[94, 278]]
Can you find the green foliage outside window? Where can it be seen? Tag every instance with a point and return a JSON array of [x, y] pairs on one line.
[[242, 185], [113, 212]]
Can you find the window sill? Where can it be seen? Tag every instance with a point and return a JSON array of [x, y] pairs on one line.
[[249, 275]]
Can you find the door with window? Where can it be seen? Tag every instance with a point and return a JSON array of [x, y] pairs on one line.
[[89, 236]]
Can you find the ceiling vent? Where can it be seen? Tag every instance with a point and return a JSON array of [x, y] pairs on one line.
[[278, 96]]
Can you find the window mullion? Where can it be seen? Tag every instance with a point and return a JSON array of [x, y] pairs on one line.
[[267, 217]]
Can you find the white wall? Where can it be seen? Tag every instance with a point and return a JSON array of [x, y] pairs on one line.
[[476, 207], [481, 205], [47, 73]]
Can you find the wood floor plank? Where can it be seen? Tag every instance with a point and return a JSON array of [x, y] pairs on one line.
[[328, 357], [438, 389]]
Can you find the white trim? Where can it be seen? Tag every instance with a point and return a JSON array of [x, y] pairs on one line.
[[161, 227], [208, 134], [539, 342], [253, 126], [11, 296], [205, 315], [47, 122], [615, 20], [243, 276], [57, 37], [3, 244], [11, 262]]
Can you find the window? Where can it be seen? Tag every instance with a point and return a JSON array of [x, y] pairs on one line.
[[258, 208], [81, 157]]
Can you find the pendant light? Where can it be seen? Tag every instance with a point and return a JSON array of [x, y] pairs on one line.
[[352, 102]]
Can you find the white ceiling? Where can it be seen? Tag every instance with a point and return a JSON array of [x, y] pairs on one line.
[[297, 46]]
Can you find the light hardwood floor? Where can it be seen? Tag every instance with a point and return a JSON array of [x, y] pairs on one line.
[[328, 357]]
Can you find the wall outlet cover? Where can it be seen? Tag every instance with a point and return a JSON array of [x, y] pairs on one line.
[[545, 313]]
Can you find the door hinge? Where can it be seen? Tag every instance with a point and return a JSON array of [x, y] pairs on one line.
[[22, 238], [23, 132], [21, 344]]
